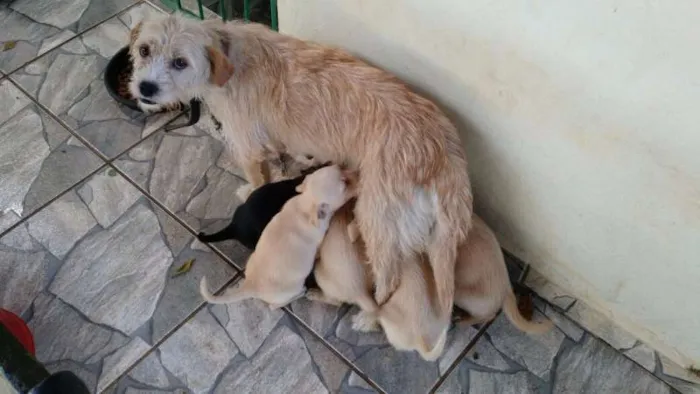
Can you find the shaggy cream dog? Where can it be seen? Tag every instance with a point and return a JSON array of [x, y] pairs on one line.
[[275, 93]]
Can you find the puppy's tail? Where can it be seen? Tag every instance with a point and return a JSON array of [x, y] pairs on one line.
[[227, 233], [510, 309], [230, 295]]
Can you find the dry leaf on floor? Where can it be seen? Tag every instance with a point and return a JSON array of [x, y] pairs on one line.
[[8, 45], [183, 269]]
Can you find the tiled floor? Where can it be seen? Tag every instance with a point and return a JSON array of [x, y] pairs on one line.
[[99, 207]]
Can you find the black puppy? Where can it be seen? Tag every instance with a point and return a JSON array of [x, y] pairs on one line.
[[251, 217]]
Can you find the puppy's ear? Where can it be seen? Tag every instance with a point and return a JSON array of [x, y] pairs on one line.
[[300, 187], [221, 67], [134, 34], [320, 212]]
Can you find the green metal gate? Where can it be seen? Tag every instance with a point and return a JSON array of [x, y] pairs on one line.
[[262, 11]]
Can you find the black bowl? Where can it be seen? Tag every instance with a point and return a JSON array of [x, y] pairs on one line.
[[116, 65]]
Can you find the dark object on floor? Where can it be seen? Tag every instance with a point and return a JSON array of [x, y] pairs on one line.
[[20, 367], [116, 78], [64, 382], [526, 306], [18, 328]]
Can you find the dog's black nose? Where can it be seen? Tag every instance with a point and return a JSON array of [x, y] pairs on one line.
[[148, 89]]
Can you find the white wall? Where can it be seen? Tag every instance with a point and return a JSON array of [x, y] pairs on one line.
[[581, 122]]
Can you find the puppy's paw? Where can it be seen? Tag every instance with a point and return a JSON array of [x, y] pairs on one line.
[[365, 322], [244, 191]]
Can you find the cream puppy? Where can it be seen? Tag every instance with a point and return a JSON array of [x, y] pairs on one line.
[[341, 273], [409, 318], [482, 288], [285, 253]]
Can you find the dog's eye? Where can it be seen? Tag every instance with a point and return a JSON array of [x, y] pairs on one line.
[[179, 63], [144, 51]]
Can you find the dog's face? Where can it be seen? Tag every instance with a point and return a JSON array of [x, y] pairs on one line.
[[329, 187], [175, 59]]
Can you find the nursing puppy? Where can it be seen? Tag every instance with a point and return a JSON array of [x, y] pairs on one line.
[[285, 253], [277, 93], [482, 286], [251, 217], [409, 317], [340, 271]]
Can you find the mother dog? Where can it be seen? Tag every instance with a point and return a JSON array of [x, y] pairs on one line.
[[274, 93]]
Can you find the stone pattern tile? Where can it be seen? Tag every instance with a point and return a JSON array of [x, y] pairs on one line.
[[240, 348], [506, 360], [189, 172], [394, 371], [36, 26], [93, 274], [574, 318], [69, 82], [38, 157]]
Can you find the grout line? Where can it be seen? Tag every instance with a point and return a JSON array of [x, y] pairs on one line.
[[333, 350], [106, 160], [109, 162], [61, 122], [50, 201], [174, 216], [84, 140], [473, 341], [104, 165], [523, 275], [77, 35], [461, 356], [170, 333]]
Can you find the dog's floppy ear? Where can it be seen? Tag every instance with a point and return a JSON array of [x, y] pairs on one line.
[[134, 33], [221, 67]]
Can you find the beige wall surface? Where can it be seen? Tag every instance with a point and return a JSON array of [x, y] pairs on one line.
[[581, 122]]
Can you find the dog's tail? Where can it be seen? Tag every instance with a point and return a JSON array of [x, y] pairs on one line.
[[510, 309], [229, 232], [453, 221], [230, 295]]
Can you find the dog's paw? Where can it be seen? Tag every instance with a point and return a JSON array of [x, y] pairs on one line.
[[244, 191], [364, 322]]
